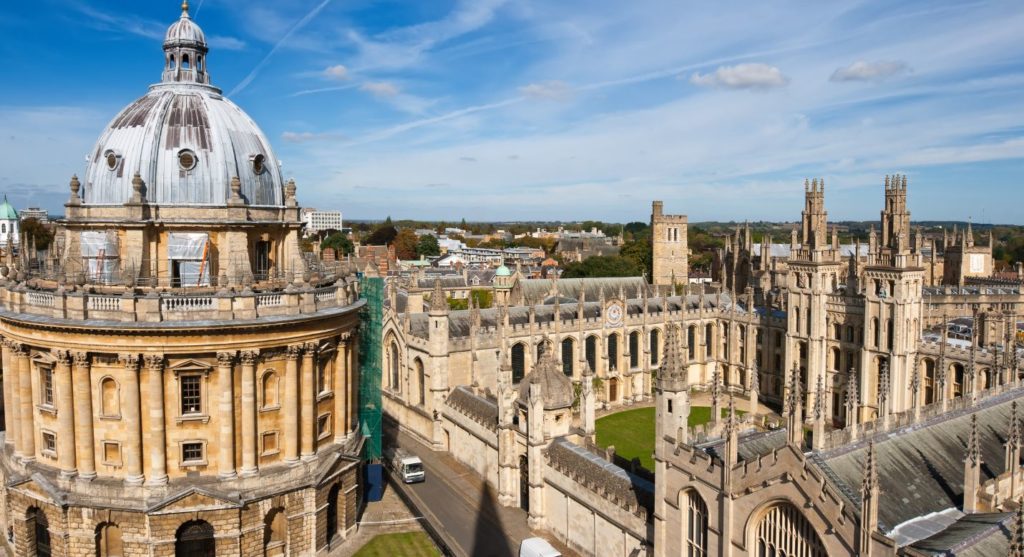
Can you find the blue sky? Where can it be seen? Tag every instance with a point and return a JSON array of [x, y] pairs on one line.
[[541, 109]]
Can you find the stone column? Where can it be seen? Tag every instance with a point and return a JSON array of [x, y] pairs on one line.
[[26, 426], [131, 451], [226, 415], [83, 417], [341, 389], [11, 407], [307, 414], [65, 415], [353, 381], [291, 405], [156, 433], [249, 442]]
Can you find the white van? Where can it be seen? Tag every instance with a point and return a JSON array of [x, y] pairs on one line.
[[406, 466], [537, 547]]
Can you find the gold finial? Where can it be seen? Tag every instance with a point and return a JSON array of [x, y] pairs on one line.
[[184, 6]]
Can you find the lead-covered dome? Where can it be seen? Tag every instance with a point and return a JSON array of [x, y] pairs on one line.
[[184, 139]]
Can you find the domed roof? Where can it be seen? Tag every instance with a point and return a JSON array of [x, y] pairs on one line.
[[555, 386], [186, 141], [503, 272], [7, 211], [185, 31]]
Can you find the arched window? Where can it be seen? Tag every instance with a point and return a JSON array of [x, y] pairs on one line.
[[655, 346], [591, 352], [929, 381], [518, 362], [784, 531], [39, 529], [184, 62], [634, 349], [568, 356], [172, 65], [958, 380], [110, 406], [269, 390], [108, 540], [890, 333], [199, 63], [274, 529], [695, 530], [194, 539], [709, 335], [613, 352], [837, 359], [876, 333], [395, 379], [691, 342], [421, 381]]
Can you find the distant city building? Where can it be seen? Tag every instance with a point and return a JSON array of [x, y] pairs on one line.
[[35, 213], [319, 221]]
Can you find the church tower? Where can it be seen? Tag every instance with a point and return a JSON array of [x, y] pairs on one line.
[[670, 254], [814, 271]]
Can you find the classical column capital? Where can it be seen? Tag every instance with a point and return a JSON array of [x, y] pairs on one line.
[[130, 361], [81, 359], [225, 359], [248, 357], [154, 362], [310, 348], [62, 357], [17, 348], [293, 351], [345, 337]]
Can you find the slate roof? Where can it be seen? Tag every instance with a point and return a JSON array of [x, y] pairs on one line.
[[921, 470], [753, 444], [973, 535], [483, 411], [534, 291]]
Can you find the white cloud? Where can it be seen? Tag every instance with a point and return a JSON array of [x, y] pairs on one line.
[[226, 43], [549, 90], [742, 76], [305, 137], [380, 88], [336, 71], [870, 71]]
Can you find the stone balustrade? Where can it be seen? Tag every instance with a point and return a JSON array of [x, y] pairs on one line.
[[152, 305]]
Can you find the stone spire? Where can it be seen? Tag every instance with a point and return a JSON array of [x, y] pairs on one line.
[[438, 301], [672, 376], [915, 390], [819, 414], [869, 495], [794, 415], [972, 469], [1013, 441], [755, 388], [852, 403], [731, 436], [1017, 541], [587, 407], [716, 396], [884, 385]]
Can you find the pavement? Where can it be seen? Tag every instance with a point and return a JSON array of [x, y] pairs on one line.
[[463, 509], [388, 516]]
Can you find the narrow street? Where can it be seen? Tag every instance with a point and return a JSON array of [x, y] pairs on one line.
[[463, 509]]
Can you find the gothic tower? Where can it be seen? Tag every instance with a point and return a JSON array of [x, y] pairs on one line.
[[670, 254]]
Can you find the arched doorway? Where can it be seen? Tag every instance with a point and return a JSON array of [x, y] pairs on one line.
[[37, 524], [783, 530], [108, 540], [195, 539], [332, 512], [613, 389], [274, 528]]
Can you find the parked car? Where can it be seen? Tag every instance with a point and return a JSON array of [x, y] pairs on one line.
[[537, 547]]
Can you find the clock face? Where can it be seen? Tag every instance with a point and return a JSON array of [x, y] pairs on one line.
[[613, 315]]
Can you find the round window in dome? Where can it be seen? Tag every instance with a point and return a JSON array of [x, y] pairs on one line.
[[112, 159], [187, 159], [257, 164]]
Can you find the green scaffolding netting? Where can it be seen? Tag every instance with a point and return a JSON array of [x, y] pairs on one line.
[[371, 324]]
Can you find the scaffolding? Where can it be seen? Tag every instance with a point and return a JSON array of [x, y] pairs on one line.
[[371, 324]]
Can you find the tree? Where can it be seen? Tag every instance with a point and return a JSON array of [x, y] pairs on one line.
[[382, 236], [427, 246], [31, 227], [602, 266], [339, 243], [405, 243]]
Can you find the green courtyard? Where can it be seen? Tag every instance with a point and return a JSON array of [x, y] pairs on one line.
[[632, 431], [412, 544]]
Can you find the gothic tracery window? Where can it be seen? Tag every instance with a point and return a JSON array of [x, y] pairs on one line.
[[696, 527], [784, 531]]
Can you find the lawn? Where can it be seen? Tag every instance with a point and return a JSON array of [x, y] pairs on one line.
[[632, 431], [414, 544]]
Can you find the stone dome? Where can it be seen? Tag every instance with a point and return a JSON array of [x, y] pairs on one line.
[[184, 139], [555, 386], [503, 272], [185, 31]]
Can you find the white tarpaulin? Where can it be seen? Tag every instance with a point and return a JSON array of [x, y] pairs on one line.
[[189, 255], [99, 253]]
